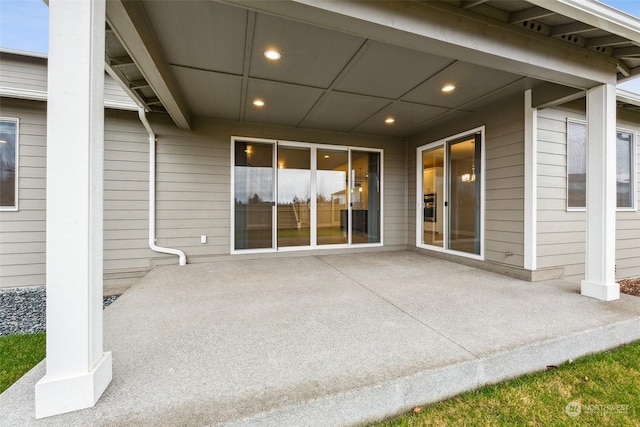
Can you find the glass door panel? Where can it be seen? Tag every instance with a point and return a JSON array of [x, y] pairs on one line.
[[464, 196], [433, 215], [294, 196], [253, 194], [365, 197], [332, 198]]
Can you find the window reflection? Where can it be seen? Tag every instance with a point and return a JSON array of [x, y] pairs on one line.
[[332, 197], [253, 194], [294, 196]]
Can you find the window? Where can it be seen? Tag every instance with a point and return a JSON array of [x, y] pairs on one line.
[[577, 167], [8, 164]]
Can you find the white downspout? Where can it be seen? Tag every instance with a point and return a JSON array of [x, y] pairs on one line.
[[152, 192]]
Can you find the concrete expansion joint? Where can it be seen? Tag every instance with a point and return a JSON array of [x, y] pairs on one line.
[[400, 309]]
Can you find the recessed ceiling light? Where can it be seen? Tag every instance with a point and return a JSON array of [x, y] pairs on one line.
[[389, 120], [258, 103], [448, 88], [326, 156], [273, 55]]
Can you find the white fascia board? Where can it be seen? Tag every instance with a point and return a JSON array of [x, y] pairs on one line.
[[31, 95], [24, 53], [596, 14], [437, 27], [41, 95], [628, 97]]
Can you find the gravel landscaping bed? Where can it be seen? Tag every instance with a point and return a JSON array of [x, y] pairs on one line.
[[22, 310]]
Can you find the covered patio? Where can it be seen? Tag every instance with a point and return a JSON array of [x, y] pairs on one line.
[[368, 81], [333, 339]]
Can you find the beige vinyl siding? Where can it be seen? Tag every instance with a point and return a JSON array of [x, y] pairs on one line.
[[504, 177], [23, 72], [22, 232], [561, 233], [194, 182], [26, 74]]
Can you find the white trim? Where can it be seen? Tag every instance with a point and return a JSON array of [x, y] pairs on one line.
[[23, 53], [530, 183], [42, 95], [419, 192], [566, 130], [17, 166], [30, 94], [633, 163]]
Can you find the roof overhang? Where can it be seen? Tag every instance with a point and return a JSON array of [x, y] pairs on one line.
[[575, 44]]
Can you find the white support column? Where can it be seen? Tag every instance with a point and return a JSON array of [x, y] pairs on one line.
[[530, 183], [78, 371], [601, 195]]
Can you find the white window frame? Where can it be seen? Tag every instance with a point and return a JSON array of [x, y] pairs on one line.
[[633, 167], [580, 122], [314, 147], [17, 165], [419, 190], [632, 170]]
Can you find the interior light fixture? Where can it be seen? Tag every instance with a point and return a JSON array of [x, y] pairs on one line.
[[281, 165], [448, 88], [326, 156], [258, 102], [2, 141], [389, 120], [273, 55]]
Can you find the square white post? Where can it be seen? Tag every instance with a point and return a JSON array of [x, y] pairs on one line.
[[600, 278], [78, 371]]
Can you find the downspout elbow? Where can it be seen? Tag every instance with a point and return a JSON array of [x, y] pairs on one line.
[[182, 258]]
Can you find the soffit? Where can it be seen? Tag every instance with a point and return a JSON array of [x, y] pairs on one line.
[[325, 79], [528, 16]]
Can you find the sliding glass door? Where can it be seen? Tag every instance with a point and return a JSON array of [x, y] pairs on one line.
[[449, 195], [299, 195]]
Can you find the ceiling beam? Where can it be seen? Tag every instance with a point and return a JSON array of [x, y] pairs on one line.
[[530, 14], [472, 3], [129, 22], [571, 28], [627, 52], [606, 41]]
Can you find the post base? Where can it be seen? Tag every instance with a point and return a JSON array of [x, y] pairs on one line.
[[599, 291], [58, 395]]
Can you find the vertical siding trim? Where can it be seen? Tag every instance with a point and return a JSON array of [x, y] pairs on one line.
[[530, 183]]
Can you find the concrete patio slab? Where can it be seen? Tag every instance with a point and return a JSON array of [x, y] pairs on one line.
[[326, 340]]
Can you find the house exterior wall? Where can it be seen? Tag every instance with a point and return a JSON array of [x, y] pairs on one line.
[[22, 232], [194, 182], [193, 192], [561, 233], [28, 74], [504, 177]]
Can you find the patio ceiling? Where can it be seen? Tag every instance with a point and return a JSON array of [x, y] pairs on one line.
[[208, 59]]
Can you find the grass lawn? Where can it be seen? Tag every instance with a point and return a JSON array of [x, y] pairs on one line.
[[606, 387], [18, 354]]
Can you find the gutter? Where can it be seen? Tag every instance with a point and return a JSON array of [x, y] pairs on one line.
[[152, 193]]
